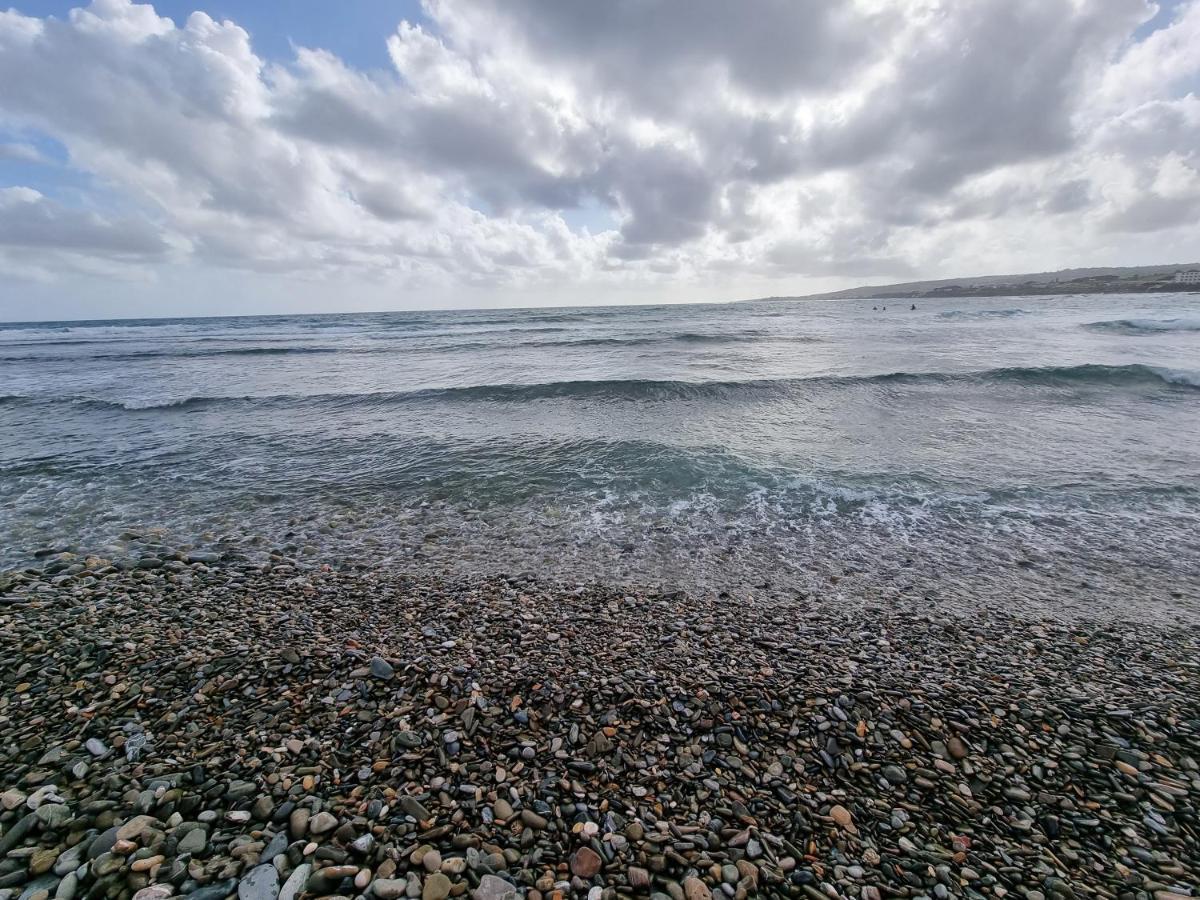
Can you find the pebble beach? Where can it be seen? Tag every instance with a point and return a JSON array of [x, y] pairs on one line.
[[179, 726]]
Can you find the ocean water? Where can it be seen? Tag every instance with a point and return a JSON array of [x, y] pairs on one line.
[[986, 450]]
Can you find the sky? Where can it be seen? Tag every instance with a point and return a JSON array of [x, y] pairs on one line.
[[241, 156]]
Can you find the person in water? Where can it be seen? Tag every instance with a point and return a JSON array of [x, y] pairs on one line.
[[914, 306]]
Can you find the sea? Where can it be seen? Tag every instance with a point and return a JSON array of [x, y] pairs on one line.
[[1000, 450]]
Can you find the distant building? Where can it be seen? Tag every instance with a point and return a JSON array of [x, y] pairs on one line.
[[1190, 277]]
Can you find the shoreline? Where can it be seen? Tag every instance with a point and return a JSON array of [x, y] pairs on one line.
[[381, 735]]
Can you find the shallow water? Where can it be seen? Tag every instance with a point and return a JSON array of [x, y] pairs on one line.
[[1020, 448]]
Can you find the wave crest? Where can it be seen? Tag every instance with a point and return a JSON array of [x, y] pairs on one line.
[[1144, 326], [678, 391]]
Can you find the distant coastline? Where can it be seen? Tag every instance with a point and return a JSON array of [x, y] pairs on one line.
[[1112, 280]]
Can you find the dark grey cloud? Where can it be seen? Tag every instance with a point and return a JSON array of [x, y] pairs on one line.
[[657, 53], [31, 221], [1154, 212]]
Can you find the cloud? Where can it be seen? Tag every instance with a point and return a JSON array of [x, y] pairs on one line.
[[20, 152], [787, 139], [31, 221]]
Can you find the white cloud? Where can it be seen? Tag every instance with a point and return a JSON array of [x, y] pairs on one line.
[[732, 145]]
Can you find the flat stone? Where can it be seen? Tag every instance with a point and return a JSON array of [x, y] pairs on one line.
[[322, 822], [214, 891], [382, 669], [295, 882], [585, 862], [437, 887], [134, 827], [193, 842], [53, 815], [493, 887], [261, 884], [387, 888], [413, 807]]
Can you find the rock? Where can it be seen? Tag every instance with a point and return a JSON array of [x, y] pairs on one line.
[[71, 858], [695, 889], [194, 842], [261, 884], [42, 860], [842, 817], [388, 888], [215, 891], [437, 887], [53, 815], [502, 809], [69, 887], [132, 830], [16, 832], [297, 880], [382, 669], [12, 798], [40, 888], [413, 807], [322, 823], [895, 774], [298, 822], [493, 887], [102, 843], [585, 862]]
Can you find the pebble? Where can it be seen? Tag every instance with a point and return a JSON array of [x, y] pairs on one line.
[[662, 745], [382, 669]]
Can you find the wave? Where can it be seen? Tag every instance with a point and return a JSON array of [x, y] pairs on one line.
[[1144, 326], [670, 390], [448, 347], [174, 354], [686, 337], [983, 313]]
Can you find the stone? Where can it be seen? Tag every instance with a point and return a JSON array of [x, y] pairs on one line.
[[71, 858], [132, 829], [382, 669], [695, 889], [585, 862], [262, 883], [502, 809], [296, 881], [195, 841], [388, 888], [842, 817], [895, 774], [411, 806], [53, 815], [215, 891], [437, 887], [493, 887], [298, 822], [322, 823]]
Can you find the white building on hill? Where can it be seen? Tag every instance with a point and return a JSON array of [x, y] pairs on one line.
[[1189, 277]]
